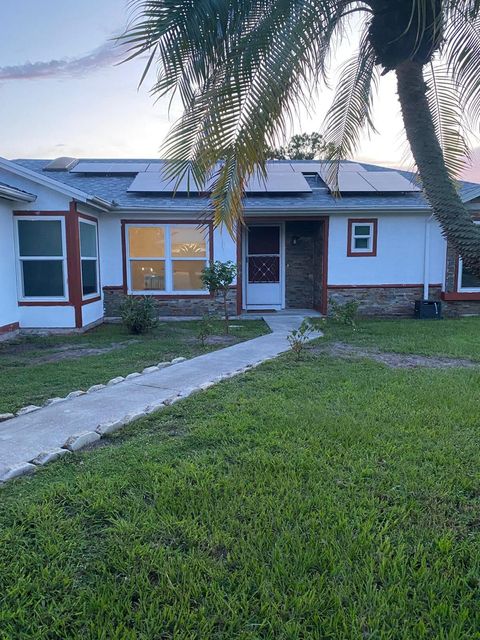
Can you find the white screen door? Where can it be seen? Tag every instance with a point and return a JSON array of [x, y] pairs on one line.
[[264, 267]]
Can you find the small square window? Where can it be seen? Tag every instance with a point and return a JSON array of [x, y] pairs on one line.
[[362, 238]]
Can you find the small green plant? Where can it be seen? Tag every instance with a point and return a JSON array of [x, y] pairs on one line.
[[139, 315], [218, 278], [206, 328], [345, 313], [298, 338]]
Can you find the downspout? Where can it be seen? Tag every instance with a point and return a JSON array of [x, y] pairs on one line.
[[426, 259]]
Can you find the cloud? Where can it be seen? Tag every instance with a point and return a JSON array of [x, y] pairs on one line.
[[103, 56]]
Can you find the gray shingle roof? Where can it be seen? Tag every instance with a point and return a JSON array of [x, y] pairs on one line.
[[114, 189]]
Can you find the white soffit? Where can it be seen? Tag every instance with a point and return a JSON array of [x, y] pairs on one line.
[[109, 167], [386, 181]]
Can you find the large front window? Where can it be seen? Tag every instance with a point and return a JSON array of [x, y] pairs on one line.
[[42, 260], [166, 258]]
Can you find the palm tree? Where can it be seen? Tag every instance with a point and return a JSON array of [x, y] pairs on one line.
[[242, 68]]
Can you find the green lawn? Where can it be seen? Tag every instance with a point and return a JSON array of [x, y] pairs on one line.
[[311, 500], [35, 368], [459, 338]]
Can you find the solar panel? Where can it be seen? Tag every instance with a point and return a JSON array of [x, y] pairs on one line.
[[389, 181], [312, 166], [282, 167], [351, 166], [154, 182], [307, 167], [349, 182], [109, 167], [277, 182]]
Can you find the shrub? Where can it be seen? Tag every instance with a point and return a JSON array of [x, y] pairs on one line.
[[298, 338], [205, 328], [345, 313], [218, 278], [139, 315]]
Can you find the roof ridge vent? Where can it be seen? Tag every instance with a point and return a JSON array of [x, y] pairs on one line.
[[63, 163]]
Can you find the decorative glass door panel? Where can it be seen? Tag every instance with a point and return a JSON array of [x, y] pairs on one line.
[[264, 287]]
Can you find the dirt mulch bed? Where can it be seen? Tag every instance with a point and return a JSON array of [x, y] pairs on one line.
[[393, 360], [54, 353]]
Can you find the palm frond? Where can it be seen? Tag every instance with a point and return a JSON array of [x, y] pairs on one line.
[[444, 102], [351, 111], [241, 74], [462, 56]]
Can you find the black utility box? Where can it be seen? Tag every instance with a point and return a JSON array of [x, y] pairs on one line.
[[428, 309]]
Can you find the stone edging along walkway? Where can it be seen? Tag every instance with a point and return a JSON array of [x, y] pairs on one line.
[[96, 387], [46, 434]]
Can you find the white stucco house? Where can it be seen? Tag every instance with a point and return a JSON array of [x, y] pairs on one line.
[[76, 236]]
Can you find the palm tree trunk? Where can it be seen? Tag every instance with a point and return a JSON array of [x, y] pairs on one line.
[[440, 191]]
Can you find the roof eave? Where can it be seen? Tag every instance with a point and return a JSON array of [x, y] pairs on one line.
[[281, 211], [16, 195], [60, 187]]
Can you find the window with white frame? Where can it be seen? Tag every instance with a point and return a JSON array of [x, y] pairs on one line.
[[42, 258], [362, 237], [89, 258], [166, 258], [467, 281]]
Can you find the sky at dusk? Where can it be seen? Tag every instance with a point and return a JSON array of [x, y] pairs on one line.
[[62, 91]]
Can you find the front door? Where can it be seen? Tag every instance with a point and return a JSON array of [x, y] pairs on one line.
[[264, 267]]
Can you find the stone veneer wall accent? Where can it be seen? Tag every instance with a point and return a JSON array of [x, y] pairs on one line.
[[303, 264], [459, 308], [451, 270], [383, 301], [173, 307], [456, 308]]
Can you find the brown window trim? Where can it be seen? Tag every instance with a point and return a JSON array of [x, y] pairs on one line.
[[457, 295], [351, 252]]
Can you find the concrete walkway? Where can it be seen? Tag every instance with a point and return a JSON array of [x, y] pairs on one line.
[[52, 431]]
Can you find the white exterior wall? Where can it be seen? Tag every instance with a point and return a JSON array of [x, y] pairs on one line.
[[8, 282], [110, 240], [400, 252], [53, 317], [47, 199], [224, 246], [92, 312]]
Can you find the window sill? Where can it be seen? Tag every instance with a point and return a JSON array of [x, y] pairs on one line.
[[361, 254], [461, 295], [45, 302], [171, 295], [93, 298]]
